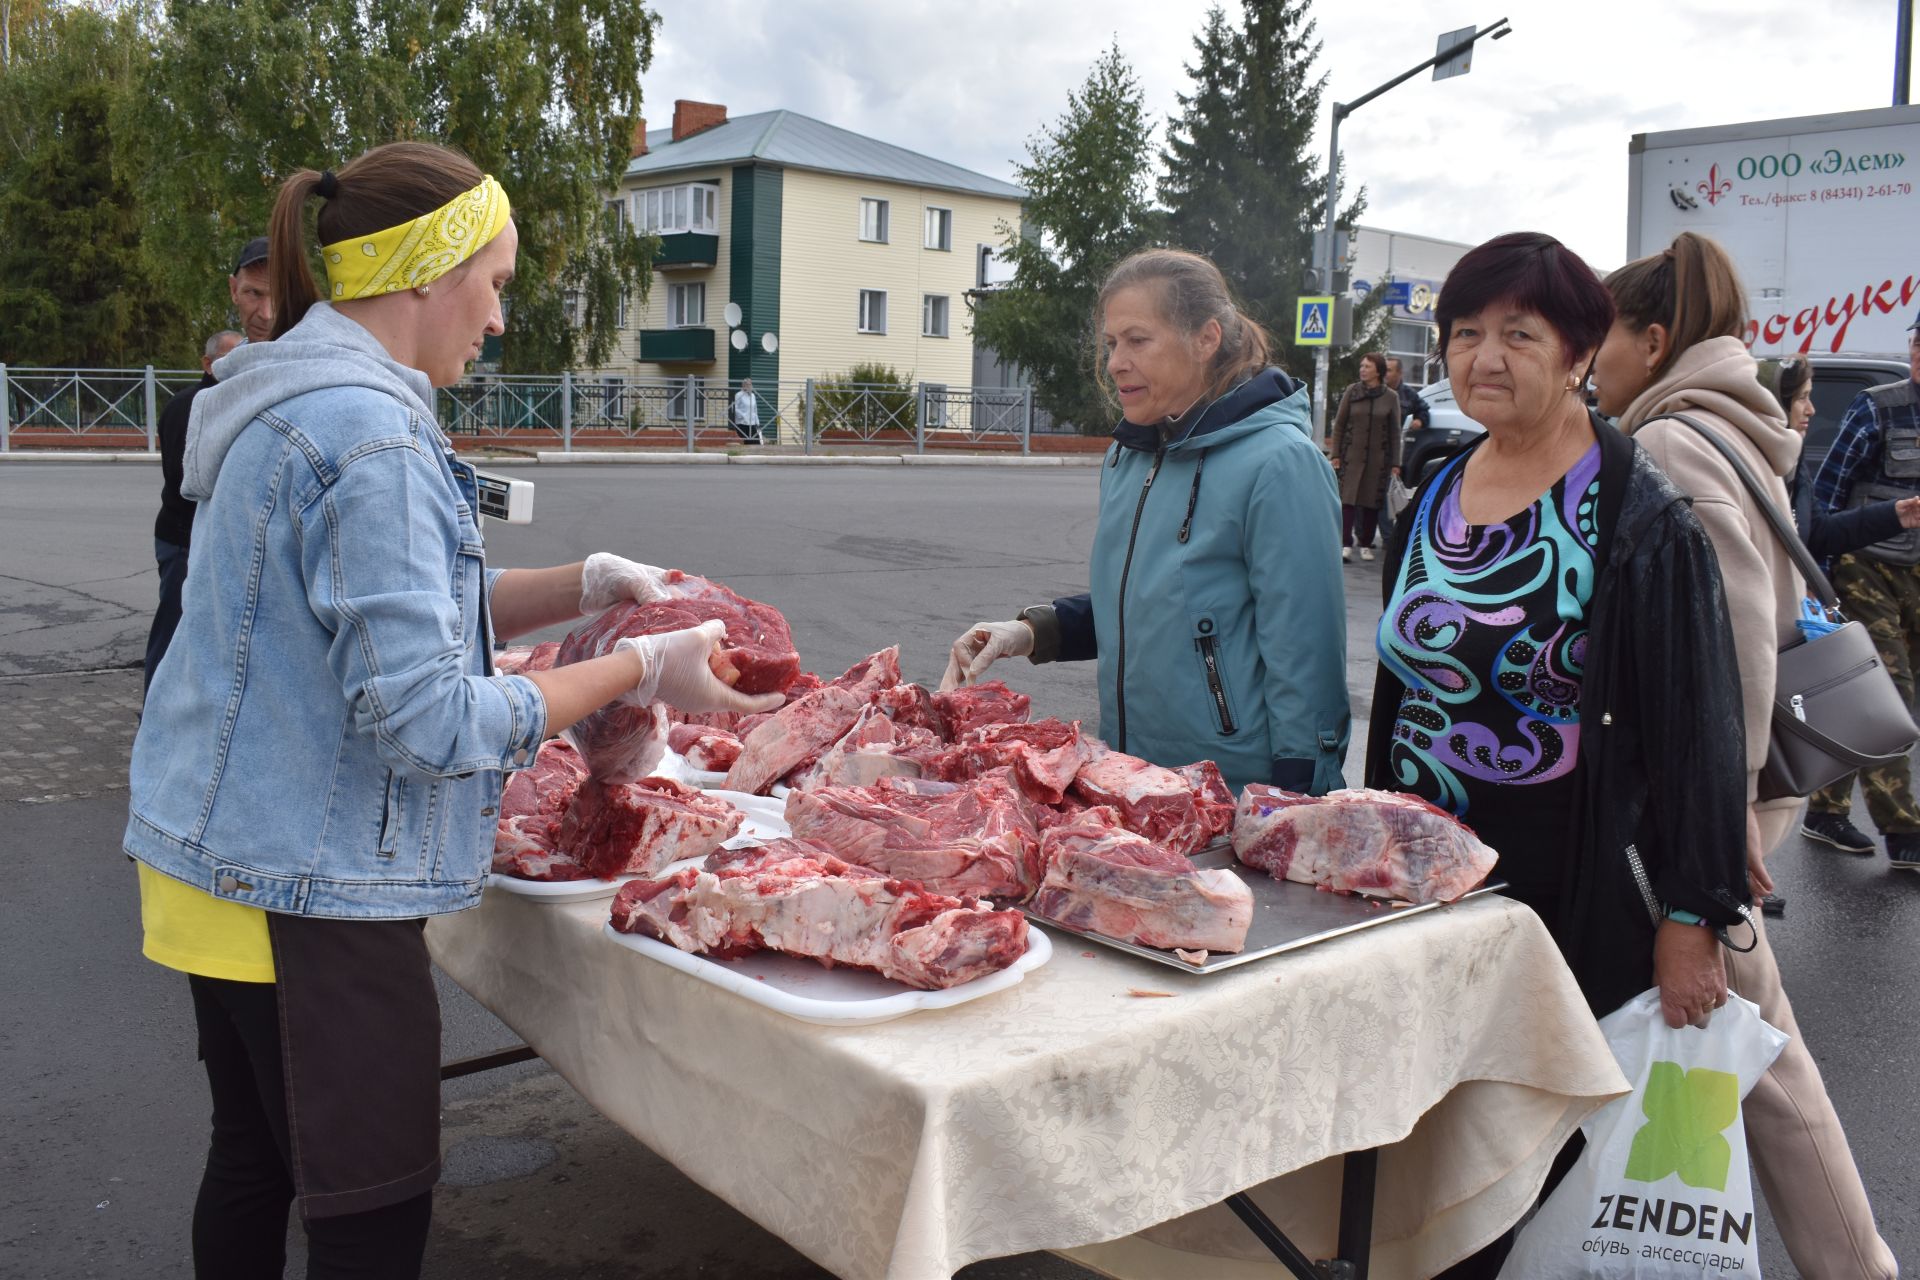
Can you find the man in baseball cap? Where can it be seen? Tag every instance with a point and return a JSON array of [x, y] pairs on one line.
[[252, 292]]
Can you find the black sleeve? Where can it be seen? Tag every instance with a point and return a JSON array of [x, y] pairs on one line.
[[172, 430], [1681, 639], [1836, 533], [1078, 643]]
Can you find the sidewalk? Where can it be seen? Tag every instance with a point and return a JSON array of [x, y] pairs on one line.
[[765, 456]]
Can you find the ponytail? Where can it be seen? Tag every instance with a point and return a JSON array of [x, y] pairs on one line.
[[1691, 287], [381, 188], [288, 266]]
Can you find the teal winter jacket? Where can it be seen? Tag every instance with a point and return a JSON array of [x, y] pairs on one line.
[[1216, 608]]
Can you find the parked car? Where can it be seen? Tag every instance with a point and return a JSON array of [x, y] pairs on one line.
[[1447, 432]]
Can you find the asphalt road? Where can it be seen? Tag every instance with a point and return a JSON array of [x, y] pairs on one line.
[[106, 1110]]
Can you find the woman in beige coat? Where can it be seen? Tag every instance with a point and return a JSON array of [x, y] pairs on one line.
[[1365, 450], [1676, 347]]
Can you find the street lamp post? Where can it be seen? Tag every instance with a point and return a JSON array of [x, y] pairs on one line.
[[1459, 49]]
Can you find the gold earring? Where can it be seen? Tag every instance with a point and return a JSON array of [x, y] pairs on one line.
[[423, 290]]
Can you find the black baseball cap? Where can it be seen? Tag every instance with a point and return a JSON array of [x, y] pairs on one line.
[[253, 253]]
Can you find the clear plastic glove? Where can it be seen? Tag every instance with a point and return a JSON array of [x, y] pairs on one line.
[[676, 667], [982, 645], [607, 580]]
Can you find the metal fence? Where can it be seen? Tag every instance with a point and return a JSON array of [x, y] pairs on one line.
[[570, 412]]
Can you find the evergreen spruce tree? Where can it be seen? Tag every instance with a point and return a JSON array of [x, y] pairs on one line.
[[1086, 178]]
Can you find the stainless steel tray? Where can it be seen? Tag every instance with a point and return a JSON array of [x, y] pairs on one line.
[[1286, 916]]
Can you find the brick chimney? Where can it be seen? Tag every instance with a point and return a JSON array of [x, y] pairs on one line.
[[639, 137], [691, 117]]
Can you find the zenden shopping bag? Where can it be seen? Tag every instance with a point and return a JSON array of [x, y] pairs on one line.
[[1662, 1190]]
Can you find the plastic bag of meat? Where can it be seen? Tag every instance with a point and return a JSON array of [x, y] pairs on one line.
[[622, 743], [1382, 843]]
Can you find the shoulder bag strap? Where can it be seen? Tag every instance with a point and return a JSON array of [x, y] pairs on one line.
[[1796, 549]]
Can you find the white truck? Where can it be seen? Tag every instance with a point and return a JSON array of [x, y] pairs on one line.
[[1820, 213]]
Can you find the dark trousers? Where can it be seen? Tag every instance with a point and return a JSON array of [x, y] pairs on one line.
[[173, 575], [240, 1217], [1364, 521]]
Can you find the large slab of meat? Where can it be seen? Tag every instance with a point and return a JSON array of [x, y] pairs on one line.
[[704, 747], [1102, 878], [875, 747], [1045, 756], [974, 839], [523, 848], [1181, 811], [797, 898], [546, 786], [621, 743], [1360, 841], [637, 828], [803, 730], [989, 702]]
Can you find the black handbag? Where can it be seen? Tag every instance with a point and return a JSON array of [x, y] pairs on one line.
[[1835, 706]]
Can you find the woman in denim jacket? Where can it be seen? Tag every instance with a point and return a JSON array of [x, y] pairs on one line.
[[321, 757]]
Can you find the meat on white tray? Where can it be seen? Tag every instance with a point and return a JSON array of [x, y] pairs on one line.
[[974, 839], [1360, 841], [795, 897], [1102, 878], [637, 828]]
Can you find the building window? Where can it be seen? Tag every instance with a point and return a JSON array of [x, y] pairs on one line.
[[936, 399], [933, 315], [873, 311], [939, 228], [620, 312], [686, 305], [666, 211], [873, 220], [570, 302], [616, 215]]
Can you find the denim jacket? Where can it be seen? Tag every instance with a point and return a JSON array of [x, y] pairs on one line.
[[326, 735]]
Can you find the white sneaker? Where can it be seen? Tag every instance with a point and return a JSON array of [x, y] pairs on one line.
[[1366, 553], [1346, 553]]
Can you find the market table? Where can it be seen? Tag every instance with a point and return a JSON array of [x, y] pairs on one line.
[[1071, 1111]]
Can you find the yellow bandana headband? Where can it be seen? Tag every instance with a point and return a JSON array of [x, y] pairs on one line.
[[416, 252]]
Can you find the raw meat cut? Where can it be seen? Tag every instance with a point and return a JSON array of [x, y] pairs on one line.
[[636, 828], [515, 662], [1104, 879], [523, 848], [791, 736], [801, 732], [621, 743], [911, 706], [1163, 805], [1045, 755], [704, 747], [874, 748], [547, 785], [1214, 796], [795, 897], [989, 702], [1360, 841], [975, 839]]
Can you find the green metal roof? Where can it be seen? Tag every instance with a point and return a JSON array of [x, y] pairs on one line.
[[801, 142]]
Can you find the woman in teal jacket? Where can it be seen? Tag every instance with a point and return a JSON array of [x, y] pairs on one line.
[[1216, 608]]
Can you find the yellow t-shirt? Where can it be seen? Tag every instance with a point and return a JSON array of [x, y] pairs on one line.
[[191, 930]]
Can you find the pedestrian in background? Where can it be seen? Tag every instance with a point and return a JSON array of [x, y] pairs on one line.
[[1411, 404], [173, 527], [1676, 346], [1875, 459], [252, 291], [746, 412], [1215, 608], [1365, 451]]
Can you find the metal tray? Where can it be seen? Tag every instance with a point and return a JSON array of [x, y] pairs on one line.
[[1286, 916]]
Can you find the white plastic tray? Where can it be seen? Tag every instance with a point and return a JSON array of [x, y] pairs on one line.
[[557, 890], [806, 990]]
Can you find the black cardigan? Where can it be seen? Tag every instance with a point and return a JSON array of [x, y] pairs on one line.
[[1663, 764]]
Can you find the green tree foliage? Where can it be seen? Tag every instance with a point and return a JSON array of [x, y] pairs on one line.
[[1087, 207], [74, 287], [539, 93], [1242, 182], [866, 399]]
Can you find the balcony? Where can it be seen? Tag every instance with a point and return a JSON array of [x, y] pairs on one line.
[[676, 346], [686, 250]]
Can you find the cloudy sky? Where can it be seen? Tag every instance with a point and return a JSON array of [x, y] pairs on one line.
[[1536, 136]]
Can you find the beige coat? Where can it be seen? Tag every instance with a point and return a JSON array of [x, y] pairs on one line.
[[1715, 383], [1366, 443]]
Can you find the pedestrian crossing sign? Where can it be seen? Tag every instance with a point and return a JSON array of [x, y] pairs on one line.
[[1313, 323]]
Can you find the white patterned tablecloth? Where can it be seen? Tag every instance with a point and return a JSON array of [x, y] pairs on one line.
[[1067, 1113]]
